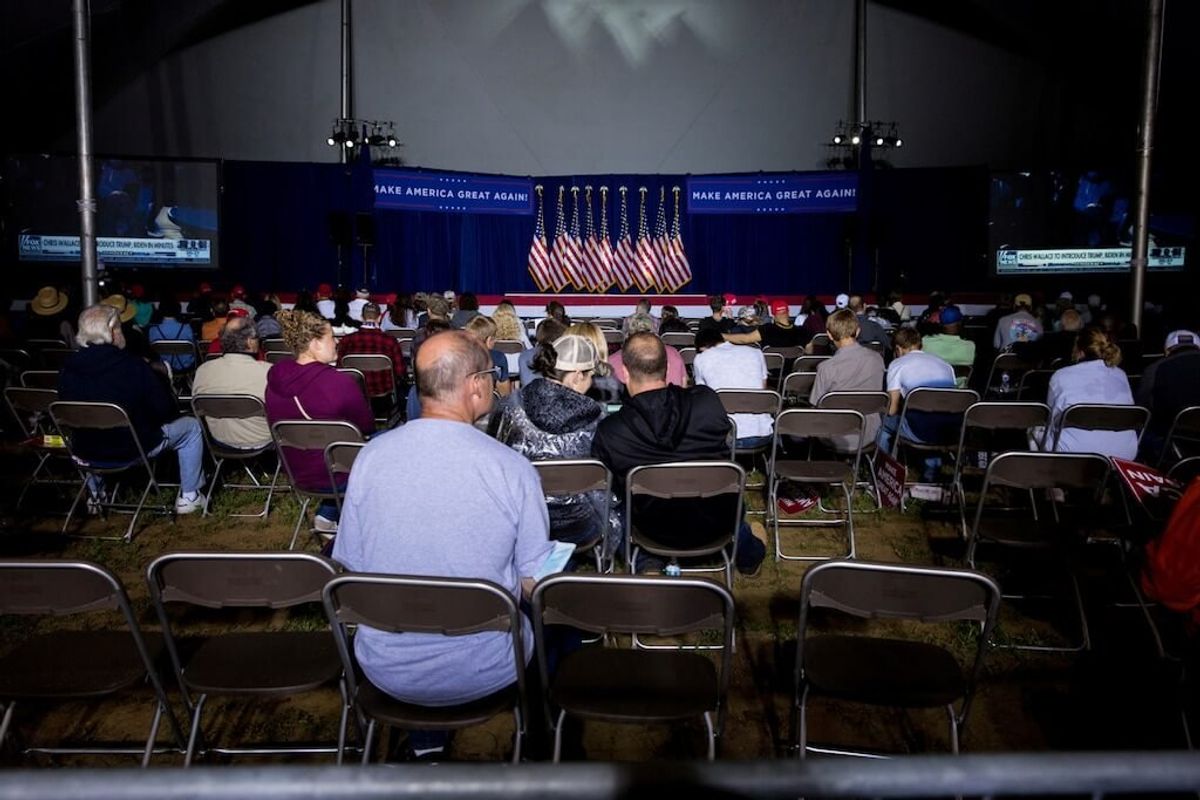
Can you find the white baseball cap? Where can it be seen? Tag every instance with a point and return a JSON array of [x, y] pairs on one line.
[[1183, 338], [842, 300]]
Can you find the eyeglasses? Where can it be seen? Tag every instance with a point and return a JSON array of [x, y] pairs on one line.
[[493, 371]]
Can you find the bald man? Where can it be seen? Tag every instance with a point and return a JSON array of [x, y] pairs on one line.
[[438, 497], [663, 422]]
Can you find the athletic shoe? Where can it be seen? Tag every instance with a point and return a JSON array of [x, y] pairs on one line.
[[163, 227], [324, 524], [189, 505]]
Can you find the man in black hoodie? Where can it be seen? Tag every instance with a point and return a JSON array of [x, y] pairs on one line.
[[663, 423]]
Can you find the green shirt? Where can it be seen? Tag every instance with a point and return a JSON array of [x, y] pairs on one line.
[[954, 350]]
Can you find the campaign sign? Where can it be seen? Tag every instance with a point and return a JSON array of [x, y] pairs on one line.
[[452, 192], [889, 477], [779, 193], [1149, 487]]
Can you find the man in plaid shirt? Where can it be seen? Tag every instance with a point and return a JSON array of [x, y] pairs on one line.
[[370, 340]]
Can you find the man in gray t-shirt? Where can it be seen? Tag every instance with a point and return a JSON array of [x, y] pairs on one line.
[[853, 368], [438, 497]]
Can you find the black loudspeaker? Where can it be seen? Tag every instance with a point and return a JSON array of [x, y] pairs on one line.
[[364, 228], [339, 228]]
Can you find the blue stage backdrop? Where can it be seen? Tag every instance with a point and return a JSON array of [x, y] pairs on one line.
[[920, 229]]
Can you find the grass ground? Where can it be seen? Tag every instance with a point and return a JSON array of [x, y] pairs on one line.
[[1116, 696]]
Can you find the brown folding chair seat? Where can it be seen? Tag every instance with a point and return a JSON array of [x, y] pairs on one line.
[[1103, 417], [1033, 530], [70, 417], [310, 435], [885, 670], [96, 662], [627, 685], [821, 345], [275, 356], [207, 407], [690, 481], [412, 604], [237, 663], [776, 368], [812, 424], [568, 477]]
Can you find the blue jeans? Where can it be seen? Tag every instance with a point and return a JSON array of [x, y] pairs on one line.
[[887, 431], [184, 437], [753, 441]]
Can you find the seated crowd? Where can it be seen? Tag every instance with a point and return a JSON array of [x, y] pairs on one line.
[[563, 395]]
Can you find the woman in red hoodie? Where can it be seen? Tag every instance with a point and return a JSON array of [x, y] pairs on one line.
[[310, 388]]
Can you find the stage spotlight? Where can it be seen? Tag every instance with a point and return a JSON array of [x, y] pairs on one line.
[[879, 141], [391, 142], [335, 138], [855, 139], [377, 140], [899, 142], [838, 139], [349, 144]]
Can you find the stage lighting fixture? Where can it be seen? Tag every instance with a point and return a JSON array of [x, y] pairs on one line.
[[838, 138], [855, 139], [879, 141], [391, 142], [899, 142], [350, 133], [377, 140], [874, 133]]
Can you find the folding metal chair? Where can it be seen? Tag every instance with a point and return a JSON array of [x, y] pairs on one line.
[[689, 481], [54, 358], [18, 359], [170, 349], [368, 363], [276, 346], [358, 377], [821, 345], [605, 323], [339, 459], [275, 356], [775, 368], [962, 374], [31, 410], [807, 363], [510, 347], [867, 404], [942, 402], [992, 428], [1009, 364], [811, 424], [1103, 417], [72, 417], [1034, 386], [309, 435], [629, 685], [884, 670], [207, 407], [678, 339], [236, 663], [1185, 471], [613, 336], [91, 663], [40, 379], [1030, 472], [751, 401], [428, 605], [568, 477], [797, 388]]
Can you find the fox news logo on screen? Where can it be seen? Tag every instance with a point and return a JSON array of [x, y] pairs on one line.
[[1008, 258]]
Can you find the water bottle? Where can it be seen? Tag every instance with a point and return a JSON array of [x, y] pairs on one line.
[[1005, 387], [672, 570]]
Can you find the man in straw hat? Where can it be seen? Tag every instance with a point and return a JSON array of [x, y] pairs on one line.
[[47, 318]]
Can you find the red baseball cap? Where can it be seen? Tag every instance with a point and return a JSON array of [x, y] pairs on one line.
[[729, 298], [237, 312], [780, 307], [138, 291], [238, 291], [390, 299], [324, 290], [205, 287]]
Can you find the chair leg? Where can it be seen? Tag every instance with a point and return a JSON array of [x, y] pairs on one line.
[[341, 745], [149, 751], [558, 733], [368, 743], [299, 520], [712, 737], [75, 504], [953, 728], [849, 492], [150, 484], [8, 715], [212, 486], [800, 729], [518, 733], [194, 733]]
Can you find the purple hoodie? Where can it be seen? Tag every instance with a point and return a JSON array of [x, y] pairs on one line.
[[314, 391]]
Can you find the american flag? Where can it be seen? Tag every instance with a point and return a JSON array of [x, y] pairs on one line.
[[575, 243], [560, 255], [604, 246], [624, 262], [592, 255], [540, 268], [646, 274], [679, 260], [662, 248]]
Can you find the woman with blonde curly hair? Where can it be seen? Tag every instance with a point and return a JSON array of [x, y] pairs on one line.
[[308, 387], [605, 386], [509, 327], [1095, 377]]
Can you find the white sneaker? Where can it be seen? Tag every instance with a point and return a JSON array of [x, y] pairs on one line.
[[186, 505], [324, 524]]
